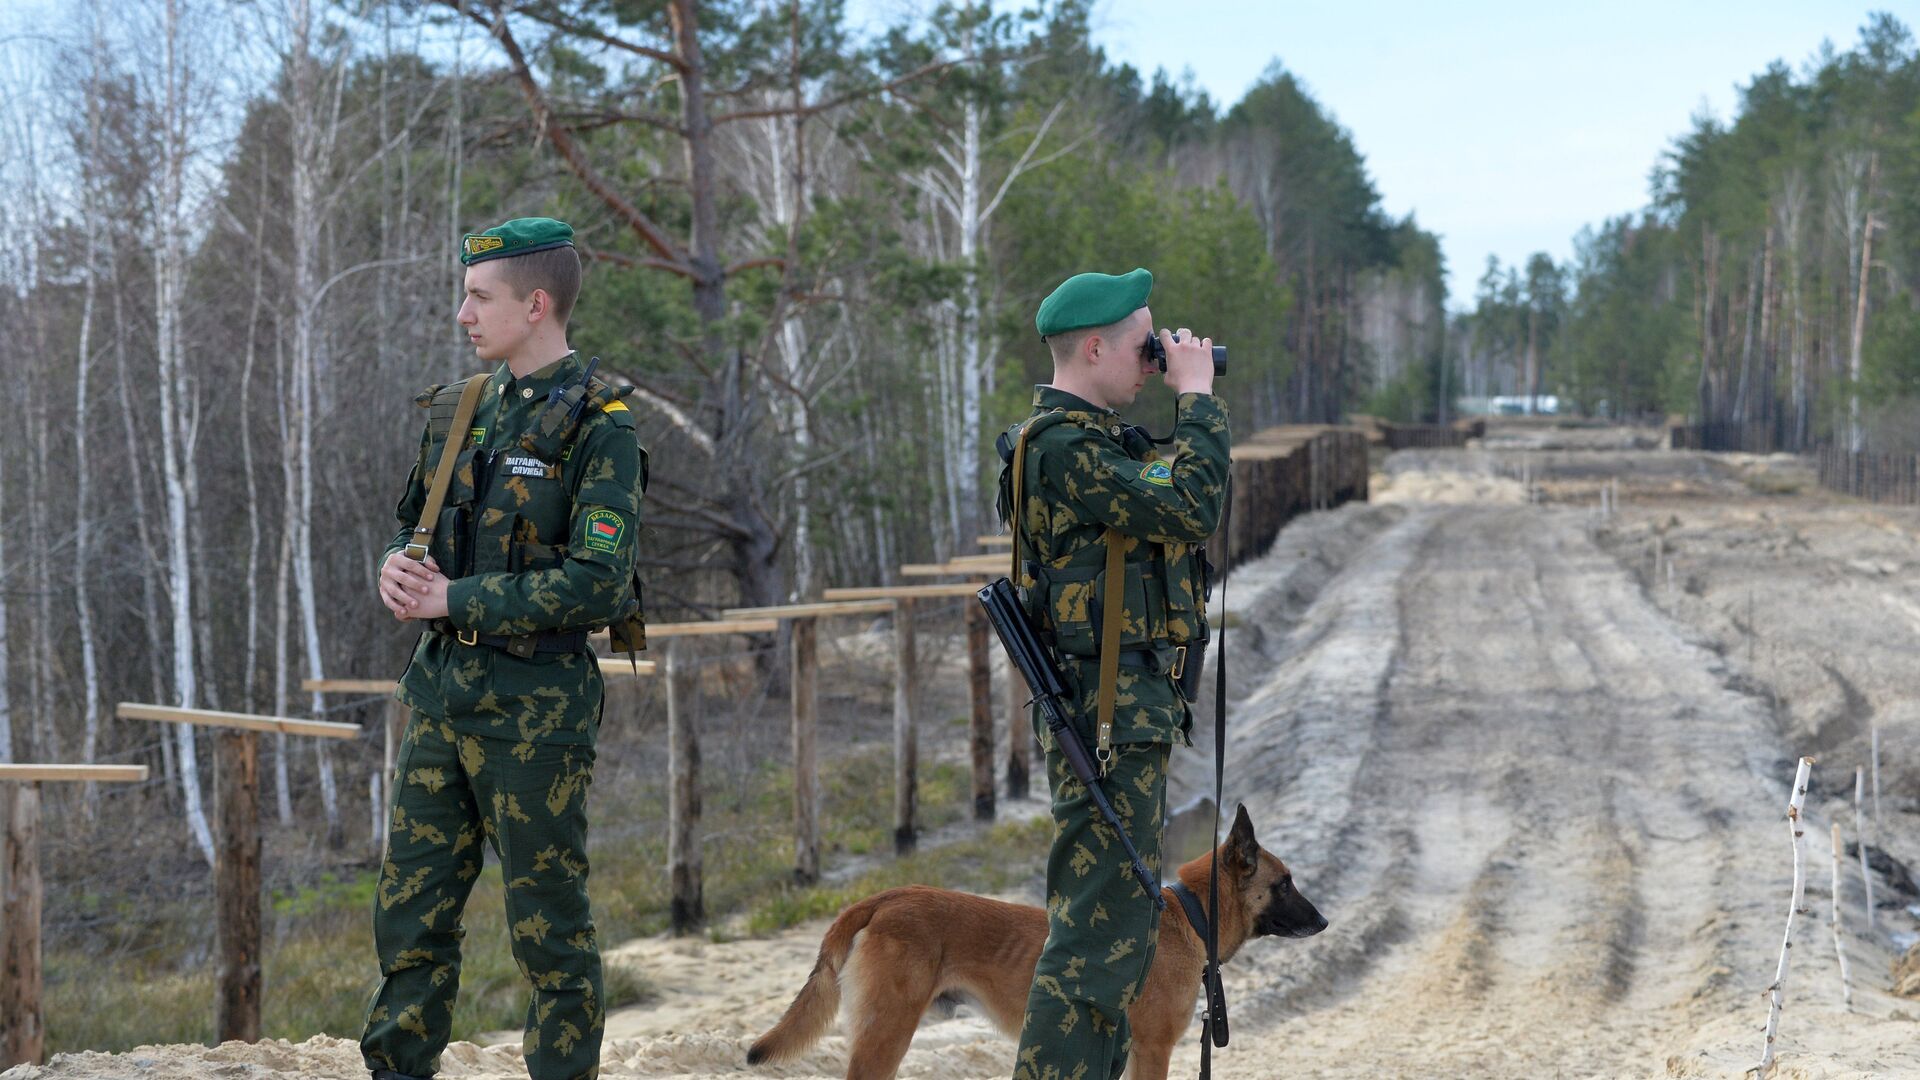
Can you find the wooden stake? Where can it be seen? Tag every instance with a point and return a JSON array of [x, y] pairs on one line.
[[1777, 992], [236, 886], [376, 811], [906, 751], [806, 711], [980, 727], [23, 1029], [1860, 834], [1839, 944], [686, 906], [1019, 730], [394, 735], [1875, 738]]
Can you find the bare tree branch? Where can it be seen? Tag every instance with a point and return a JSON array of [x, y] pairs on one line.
[[818, 107], [544, 13], [576, 159]]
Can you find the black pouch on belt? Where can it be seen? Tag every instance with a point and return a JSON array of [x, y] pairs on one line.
[[1192, 665]]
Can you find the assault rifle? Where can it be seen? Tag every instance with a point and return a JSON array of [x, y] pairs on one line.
[[1023, 647]]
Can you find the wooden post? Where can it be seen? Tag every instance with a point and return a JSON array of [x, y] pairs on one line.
[[806, 712], [397, 716], [1839, 942], [686, 907], [1860, 833], [980, 727], [236, 865], [1019, 731], [236, 876], [23, 1034], [1776, 994], [906, 751]]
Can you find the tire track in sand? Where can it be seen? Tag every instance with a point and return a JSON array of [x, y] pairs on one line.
[[1525, 827]]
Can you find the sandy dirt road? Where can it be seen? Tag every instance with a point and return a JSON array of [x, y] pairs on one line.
[[1543, 812]]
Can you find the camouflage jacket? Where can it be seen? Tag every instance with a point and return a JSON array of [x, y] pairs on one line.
[[530, 545], [1085, 473]]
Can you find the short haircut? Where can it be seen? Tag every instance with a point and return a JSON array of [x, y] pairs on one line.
[[1066, 344], [557, 270]]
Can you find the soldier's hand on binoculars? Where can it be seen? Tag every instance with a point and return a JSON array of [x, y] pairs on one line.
[[1189, 362]]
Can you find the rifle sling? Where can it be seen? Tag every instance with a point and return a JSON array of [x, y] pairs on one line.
[[443, 475]]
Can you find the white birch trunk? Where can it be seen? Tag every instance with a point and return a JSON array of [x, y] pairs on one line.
[[83, 532], [1777, 992], [282, 787], [169, 272], [972, 354], [312, 137]]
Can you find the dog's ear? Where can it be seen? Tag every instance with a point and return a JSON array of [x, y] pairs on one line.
[[1242, 850]]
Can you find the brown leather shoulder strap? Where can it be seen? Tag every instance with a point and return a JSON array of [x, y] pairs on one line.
[[1113, 602], [443, 476]]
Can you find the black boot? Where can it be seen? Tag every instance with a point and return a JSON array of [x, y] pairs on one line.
[[389, 1074]]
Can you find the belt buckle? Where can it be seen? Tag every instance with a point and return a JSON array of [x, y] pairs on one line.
[[467, 637], [1179, 660], [412, 548]]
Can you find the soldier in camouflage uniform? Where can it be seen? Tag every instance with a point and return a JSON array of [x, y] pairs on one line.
[[533, 548], [1088, 480]]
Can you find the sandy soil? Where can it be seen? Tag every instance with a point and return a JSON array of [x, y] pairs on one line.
[[1539, 796]]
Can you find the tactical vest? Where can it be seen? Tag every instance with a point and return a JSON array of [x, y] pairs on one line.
[[473, 537], [1162, 594]]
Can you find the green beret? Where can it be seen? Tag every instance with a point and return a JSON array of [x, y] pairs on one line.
[[521, 236], [1085, 300]]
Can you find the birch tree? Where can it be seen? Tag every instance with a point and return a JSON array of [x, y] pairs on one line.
[[177, 93]]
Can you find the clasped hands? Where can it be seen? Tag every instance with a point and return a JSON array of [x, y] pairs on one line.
[[413, 590]]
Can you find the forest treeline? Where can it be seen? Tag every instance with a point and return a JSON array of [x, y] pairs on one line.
[[1773, 279], [815, 253]]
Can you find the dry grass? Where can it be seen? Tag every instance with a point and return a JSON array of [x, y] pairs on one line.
[[319, 963]]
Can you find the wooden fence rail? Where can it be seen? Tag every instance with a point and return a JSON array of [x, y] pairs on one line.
[[1747, 437], [1874, 475]]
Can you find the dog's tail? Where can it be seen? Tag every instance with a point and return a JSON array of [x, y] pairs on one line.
[[818, 1003]]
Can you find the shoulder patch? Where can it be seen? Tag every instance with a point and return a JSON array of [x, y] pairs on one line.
[[1157, 472], [614, 406], [604, 530]]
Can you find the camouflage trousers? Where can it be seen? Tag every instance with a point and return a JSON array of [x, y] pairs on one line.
[[1101, 925], [528, 801]]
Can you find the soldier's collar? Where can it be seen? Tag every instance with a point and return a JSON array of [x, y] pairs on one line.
[[1050, 397], [534, 385]]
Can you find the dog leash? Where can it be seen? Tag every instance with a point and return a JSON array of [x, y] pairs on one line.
[[1213, 1022]]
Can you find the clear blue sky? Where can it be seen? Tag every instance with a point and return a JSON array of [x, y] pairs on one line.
[[1504, 127]]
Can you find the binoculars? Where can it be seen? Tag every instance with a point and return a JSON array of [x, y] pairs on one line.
[[1158, 353]]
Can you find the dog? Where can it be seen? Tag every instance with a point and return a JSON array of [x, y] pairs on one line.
[[899, 952]]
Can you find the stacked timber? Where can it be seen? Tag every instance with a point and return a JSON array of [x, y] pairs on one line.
[[1283, 472]]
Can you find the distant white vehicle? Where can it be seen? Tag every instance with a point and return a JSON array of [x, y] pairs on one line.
[[1522, 405]]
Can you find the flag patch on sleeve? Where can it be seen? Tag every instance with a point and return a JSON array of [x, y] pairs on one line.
[[604, 530], [1157, 473]]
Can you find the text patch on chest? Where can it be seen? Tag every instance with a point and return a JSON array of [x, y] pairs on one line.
[[525, 465]]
